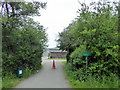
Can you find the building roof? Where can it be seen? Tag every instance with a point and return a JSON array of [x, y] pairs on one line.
[[55, 50]]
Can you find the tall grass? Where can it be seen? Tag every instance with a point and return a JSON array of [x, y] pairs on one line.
[[91, 81], [11, 80], [0, 82]]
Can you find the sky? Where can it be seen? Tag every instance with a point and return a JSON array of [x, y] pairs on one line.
[[57, 16]]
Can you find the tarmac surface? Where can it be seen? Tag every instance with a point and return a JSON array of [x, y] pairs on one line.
[[47, 77]]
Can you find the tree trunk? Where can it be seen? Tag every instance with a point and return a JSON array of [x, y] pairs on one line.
[[7, 9]]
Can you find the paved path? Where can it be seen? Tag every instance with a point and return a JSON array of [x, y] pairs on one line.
[[47, 77]]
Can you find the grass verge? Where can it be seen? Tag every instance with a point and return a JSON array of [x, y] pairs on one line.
[[0, 77], [92, 82], [63, 62], [11, 81], [56, 58], [0, 82]]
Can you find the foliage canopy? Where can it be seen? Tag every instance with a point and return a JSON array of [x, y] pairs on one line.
[[23, 40], [95, 30]]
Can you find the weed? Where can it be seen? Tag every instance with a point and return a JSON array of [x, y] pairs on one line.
[[91, 81]]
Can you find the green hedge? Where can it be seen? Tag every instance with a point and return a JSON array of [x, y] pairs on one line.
[[95, 30]]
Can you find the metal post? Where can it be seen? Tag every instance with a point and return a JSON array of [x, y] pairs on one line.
[[86, 62]]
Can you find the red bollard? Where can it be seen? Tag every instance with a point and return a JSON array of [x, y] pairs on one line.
[[53, 65]]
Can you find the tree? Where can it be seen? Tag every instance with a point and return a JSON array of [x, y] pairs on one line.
[[23, 39], [96, 30]]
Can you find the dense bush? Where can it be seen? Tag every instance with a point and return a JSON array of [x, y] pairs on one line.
[[23, 40], [24, 49], [95, 30], [79, 80]]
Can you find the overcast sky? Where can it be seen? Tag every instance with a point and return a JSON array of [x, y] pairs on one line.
[[57, 16]]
